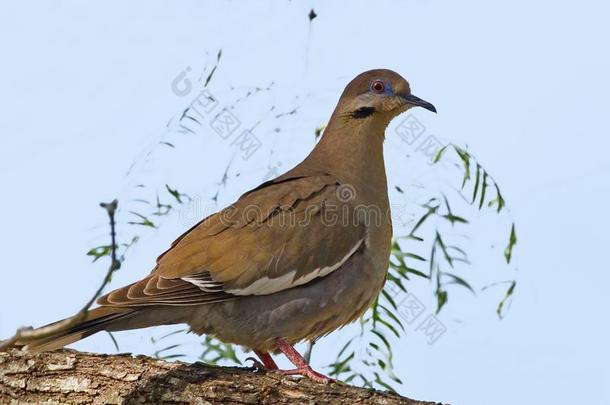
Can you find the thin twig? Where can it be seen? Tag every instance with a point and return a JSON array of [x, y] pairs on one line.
[[28, 333], [308, 351]]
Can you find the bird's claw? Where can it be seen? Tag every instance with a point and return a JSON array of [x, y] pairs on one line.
[[256, 365]]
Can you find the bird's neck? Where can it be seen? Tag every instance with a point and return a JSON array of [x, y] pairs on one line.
[[353, 150]]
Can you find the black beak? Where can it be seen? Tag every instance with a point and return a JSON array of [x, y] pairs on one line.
[[414, 100]]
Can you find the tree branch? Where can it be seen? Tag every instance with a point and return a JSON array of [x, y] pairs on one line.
[[72, 377]]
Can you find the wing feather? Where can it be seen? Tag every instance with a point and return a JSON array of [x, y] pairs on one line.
[[273, 238]]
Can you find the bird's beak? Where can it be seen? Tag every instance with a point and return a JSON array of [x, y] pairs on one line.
[[416, 101]]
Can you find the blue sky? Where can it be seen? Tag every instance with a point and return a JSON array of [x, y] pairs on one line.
[[87, 89]]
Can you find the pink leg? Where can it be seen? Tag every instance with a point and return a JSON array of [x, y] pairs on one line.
[[302, 368], [267, 360]]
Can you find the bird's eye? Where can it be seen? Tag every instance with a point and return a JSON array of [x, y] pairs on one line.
[[378, 86]]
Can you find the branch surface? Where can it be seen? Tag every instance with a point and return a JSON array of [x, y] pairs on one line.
[[71, 377]]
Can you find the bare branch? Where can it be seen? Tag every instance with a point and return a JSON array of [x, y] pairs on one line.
[[28, 333], [68, 376]]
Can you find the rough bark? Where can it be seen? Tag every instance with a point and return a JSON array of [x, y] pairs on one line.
[[71, 377]]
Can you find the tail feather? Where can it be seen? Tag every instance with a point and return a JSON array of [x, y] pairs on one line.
[[96, 320], [111, 319]]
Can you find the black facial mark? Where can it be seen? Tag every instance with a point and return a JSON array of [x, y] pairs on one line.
[[363, 112]]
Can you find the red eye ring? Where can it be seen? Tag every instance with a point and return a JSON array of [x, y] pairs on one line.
[[378, 86]]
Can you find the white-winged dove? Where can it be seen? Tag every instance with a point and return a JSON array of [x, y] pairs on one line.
[[291, 260]]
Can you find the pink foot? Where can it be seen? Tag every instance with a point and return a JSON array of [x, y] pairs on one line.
[[302, 368], [308, 372]]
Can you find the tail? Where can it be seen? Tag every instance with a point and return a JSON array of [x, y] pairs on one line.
[[96, 320]]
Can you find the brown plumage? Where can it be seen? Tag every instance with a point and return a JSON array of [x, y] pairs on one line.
[[295, 258]]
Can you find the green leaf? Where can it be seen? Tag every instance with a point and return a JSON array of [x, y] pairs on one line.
[[215, 351], [432, 256], [392, 278], [431, 211], [100, 251], [417, 272], [173, 333], [345, 346], [454, 218], [393, 316], [144, 221], [465, 156], [350, 378], [483, 189], [440, 242], [174, 193], [476, 184], [460, 281], [207, 80], [342, 366], [133, 241], [500, 199], [172, 356], [383, 339], [382, 383], [389, 326], [158, 355], [389, 298], [512, 241], [162, 209], [319, 130], [439, 154], [441, 299], [401, 254], [446, 203], [508, 294], [414, 256]]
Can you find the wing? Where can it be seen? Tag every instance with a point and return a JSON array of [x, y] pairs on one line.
[[281, 235]]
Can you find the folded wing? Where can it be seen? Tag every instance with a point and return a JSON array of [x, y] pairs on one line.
[[281, 235]]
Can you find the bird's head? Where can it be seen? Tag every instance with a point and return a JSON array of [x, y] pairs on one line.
[[379, 93]]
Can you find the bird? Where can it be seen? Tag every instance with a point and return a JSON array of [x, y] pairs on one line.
[[291, 260]]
